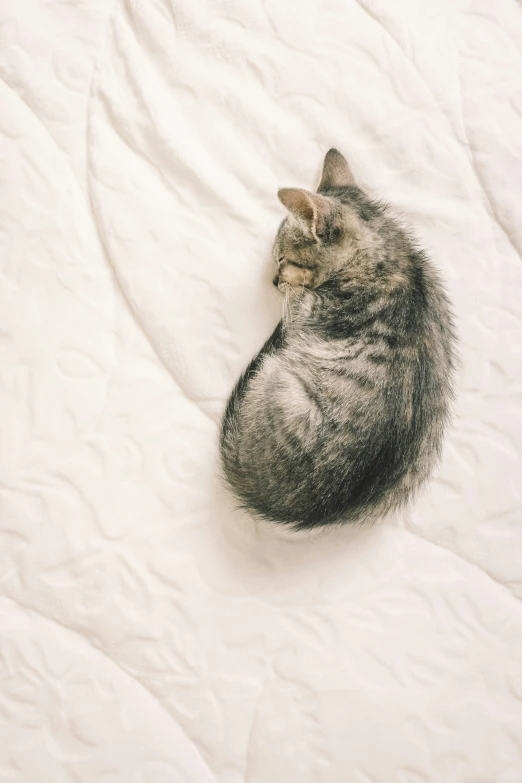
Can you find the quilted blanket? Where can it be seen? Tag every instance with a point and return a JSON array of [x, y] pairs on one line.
[[149, 631]]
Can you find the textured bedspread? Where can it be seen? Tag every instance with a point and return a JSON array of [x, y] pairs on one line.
[[150, 632]]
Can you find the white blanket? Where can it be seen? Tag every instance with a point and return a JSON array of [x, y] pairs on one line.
[[149, 632]]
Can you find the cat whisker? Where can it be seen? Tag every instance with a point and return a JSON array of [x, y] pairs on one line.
[[287, 310]]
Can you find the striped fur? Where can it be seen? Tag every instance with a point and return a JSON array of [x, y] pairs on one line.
[[340, 417]]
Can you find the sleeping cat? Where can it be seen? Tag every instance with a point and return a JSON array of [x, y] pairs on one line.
[[340, 416]]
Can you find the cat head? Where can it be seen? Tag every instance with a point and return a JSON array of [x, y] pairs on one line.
[[324, 231]]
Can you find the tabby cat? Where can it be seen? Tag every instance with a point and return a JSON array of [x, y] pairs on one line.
[[340, 417]]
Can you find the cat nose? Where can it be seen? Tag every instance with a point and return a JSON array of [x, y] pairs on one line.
[[275, 281]]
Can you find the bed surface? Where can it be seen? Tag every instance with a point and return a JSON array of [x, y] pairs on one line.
[[149, 631]]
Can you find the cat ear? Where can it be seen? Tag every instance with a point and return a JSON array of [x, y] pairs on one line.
[[336, 171], [308, 207]]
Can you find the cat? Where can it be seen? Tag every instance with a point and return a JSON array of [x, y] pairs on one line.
[[341, 415]]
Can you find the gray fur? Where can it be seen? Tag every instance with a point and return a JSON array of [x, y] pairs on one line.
[[341, 415]]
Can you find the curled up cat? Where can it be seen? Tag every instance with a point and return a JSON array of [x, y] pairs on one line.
[[341, 415]]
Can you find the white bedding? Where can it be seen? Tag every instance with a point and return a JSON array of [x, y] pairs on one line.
[[149, 632]]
